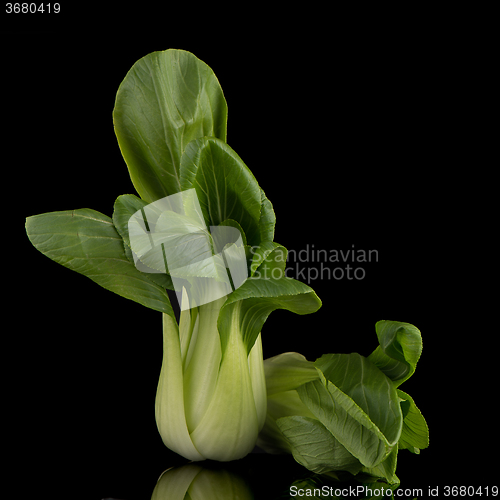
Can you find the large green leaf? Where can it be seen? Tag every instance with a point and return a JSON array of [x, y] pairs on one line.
[[357, 403], [248, 307], [314, 447], [399, 350], [225, 187], [166, 100], [87, 242]]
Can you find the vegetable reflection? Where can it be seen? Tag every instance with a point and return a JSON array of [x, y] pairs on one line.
[[195, 482], [279, 479]]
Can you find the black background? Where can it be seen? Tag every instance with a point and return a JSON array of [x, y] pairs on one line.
[[356, 137]]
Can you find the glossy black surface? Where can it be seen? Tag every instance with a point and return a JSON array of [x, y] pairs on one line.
[[353, 157]]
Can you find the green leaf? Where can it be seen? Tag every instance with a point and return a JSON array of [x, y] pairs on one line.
[[125, 206], [225, 187], [387, 468], [248, 307], [87, 242], [357, 403], [415, 433], [259, 254], [233, 223], [184, 240], [287, 371], [166, 100], [269, 261], [314, 447], [284, 373], [267, 219], [400, 349]]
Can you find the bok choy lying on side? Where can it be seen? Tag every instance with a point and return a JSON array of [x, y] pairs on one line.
[[204, 228], [345, 412]]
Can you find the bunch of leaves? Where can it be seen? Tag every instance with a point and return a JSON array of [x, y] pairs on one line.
[[343, 412], [170, 119], [346, 412]]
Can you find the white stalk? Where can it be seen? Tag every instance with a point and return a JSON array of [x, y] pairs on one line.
[[209, 405]]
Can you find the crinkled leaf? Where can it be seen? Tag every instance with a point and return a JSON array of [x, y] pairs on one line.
[[166, 100], [87, 242], [357, 403], [400, 349], [314, 447]]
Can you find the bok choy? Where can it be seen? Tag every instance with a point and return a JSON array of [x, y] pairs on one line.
[[203, 228], [170, 119], [346, 411]]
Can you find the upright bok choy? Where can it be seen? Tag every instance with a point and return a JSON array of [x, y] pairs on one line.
[[214, 248]]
